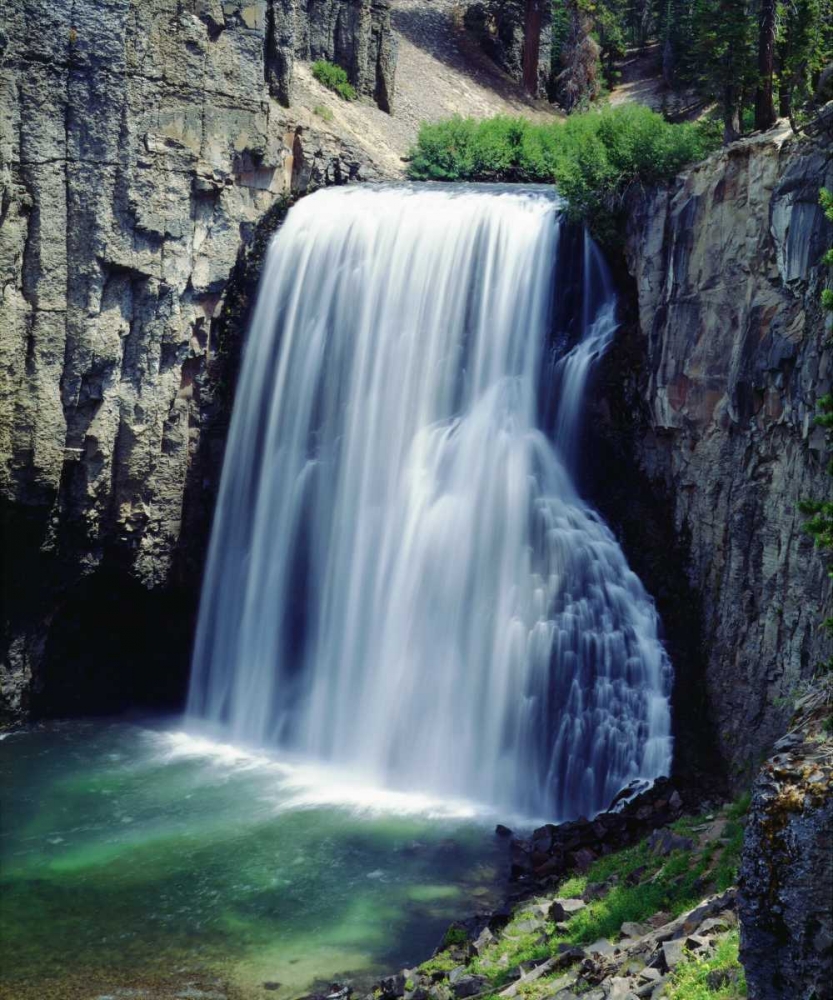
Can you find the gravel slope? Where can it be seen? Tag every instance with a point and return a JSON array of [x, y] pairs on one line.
[[439, 73]]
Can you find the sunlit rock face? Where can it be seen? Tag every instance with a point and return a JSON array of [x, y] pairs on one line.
[[139, 148], [355, 34], [731, 365]]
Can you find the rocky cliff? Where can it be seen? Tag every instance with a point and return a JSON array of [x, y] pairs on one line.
[[139, 145], [729, 366], [356, 34]]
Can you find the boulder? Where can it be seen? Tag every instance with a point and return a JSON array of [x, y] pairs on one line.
[[562, 909], [634, 930], [469, 986], [673, 952]]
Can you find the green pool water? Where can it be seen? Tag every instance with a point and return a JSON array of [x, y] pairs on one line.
[[136, 860]]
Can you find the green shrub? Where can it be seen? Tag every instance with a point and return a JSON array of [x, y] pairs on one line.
[[323, 112], [593, 158], [334, 78]]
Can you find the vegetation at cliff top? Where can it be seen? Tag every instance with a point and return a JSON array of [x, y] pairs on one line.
[[594, 158], [334, 78], [752, 59]]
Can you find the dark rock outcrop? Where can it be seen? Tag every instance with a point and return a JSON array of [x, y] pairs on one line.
[[355, 34], [556, 849], [139, 147], [786, 881], [517, 35]]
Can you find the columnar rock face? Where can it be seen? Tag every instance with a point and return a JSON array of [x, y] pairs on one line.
[[517, 35], [138, 147], [731, 340], [356, 34]]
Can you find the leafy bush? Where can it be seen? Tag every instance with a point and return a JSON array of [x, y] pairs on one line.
[[594, 158], [323, 112], [334, 78]]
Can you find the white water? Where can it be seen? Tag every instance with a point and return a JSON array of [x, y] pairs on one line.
[[402, 578]]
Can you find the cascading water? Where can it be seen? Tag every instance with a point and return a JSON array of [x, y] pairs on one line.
[[402, 577]]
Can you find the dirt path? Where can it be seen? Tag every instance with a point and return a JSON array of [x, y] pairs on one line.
[[439, 73], [641, 78]]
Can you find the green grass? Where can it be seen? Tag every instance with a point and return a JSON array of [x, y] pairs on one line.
[[726, 871], [672, 884], [689, 981], [334, 78], [594, 158], [323, 112]]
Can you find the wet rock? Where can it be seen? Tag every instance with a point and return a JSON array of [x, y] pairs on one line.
[[503, 831], [665, 842], [469, 986], [393, 987], [582, 859], [483, 940], [553, 850]]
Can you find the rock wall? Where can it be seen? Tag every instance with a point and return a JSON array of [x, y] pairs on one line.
[[517, 35], [730, 364], [139, 146], [356, 34], [786, 878]]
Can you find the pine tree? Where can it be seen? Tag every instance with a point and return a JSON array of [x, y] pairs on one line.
[[764, 106], [578, 80], [723, 33], [804, 45]]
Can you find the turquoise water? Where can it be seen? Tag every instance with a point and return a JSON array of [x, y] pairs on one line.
[[136, 857]]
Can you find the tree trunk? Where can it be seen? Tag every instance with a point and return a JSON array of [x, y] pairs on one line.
[[532, 45], [764, 107], [731, 114]]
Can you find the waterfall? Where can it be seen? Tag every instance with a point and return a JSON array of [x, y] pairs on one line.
[[402, 576]]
